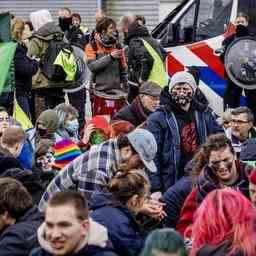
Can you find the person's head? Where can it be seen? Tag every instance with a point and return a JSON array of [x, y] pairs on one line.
[[125, 22], [149, 94], [101, 129], [28, 29], [68, 117], [242, 19], [137, 149], [47, 123], [252, 186], [227, 119], [4, 120], [17, 29], [242, 122], [225, 215], [182, 88], [164, 242], [66, 222], [218, 154], [44, 155], [40, 18], [107, 27], [13, 139], [131, 188], [15, 201], [140, 20], [99, 15], [121, 127], [64, 12], [76, 20]]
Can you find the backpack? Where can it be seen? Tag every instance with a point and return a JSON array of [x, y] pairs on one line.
[[58, 63]]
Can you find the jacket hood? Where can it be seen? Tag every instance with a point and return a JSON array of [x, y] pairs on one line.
[[47, 31], [97, 236], [99, 200], [49, 120], [136, 30]]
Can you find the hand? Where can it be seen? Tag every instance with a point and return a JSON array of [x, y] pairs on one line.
[[87, 133], [116, 54], [153, 209], [156, 195]]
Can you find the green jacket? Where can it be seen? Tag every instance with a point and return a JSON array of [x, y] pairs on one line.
[[38, 44]]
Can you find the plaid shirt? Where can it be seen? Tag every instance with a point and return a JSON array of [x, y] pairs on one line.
[[88, 173]]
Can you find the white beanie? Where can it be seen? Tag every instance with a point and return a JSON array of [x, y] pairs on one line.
[[40, 18], [182, 77]]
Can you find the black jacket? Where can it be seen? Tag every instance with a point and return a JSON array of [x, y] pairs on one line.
[[20, 238], [25, 68]]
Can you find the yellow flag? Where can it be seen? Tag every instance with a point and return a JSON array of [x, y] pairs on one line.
[[20, 116]]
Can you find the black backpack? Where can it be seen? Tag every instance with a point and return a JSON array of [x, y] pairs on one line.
[[54, 72]]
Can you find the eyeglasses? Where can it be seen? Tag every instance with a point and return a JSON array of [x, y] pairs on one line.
[[6, 119], [240, 122]]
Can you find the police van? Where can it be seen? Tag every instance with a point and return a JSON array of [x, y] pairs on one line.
[[193, 32]]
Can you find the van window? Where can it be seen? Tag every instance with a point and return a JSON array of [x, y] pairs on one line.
[[213, 18]]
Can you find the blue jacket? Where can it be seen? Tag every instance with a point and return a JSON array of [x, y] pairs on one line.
[[123, 230], [19, 238], [164, 126]]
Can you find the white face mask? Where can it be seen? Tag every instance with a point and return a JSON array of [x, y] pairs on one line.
[[72, 126]]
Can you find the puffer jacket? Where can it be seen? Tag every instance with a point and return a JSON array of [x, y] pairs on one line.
[[124, 232], [107, 72], [39, 42], [164, 126]]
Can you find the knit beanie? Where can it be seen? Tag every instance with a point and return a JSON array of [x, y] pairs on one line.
[[182, 77], [40, 18], [65, 151], [49, 120]]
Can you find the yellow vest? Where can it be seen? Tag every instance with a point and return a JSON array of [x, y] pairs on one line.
[[157, 73]]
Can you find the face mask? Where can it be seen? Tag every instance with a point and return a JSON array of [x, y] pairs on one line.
[[42, 132], [97, 138], [241, 31], [108, 40], [72, 126], [182, 99]]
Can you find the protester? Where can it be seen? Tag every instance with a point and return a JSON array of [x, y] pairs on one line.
[[45, 128], [68, 123], [48, 94], [65, 19], [233, 91], [227, 119], [241, 127], [24, 67], [96, 131], [217, 163], [19, 219], [125, 22], [146, 59], [224, 225], [180, 126], [14, 141], [107, 63], [4, 120], [126, 196], [142, 106], [164, 242], [93, 170], [68, 230], [248, 153]]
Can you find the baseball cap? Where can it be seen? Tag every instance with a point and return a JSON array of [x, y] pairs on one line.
[[145, 145]]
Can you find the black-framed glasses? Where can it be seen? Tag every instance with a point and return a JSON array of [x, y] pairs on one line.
[[240, 122]]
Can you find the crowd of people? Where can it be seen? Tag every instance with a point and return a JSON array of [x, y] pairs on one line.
[[152, 172]]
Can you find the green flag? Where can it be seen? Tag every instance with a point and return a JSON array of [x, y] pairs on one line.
[[5, 27], [7, 51]]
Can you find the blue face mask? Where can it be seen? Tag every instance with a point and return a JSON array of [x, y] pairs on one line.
[[72, 126]]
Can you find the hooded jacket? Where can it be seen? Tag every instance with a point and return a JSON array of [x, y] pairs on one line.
[[124, 232], [39, 42], [139, 59], [19, 238], [163, 124], [95, 244]]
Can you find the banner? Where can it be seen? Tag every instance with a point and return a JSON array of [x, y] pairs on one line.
[[5, 27], [7, 81]]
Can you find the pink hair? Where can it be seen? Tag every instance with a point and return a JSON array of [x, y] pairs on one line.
[[225, 215]]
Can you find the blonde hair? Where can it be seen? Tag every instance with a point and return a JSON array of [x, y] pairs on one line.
[[17, 29]]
